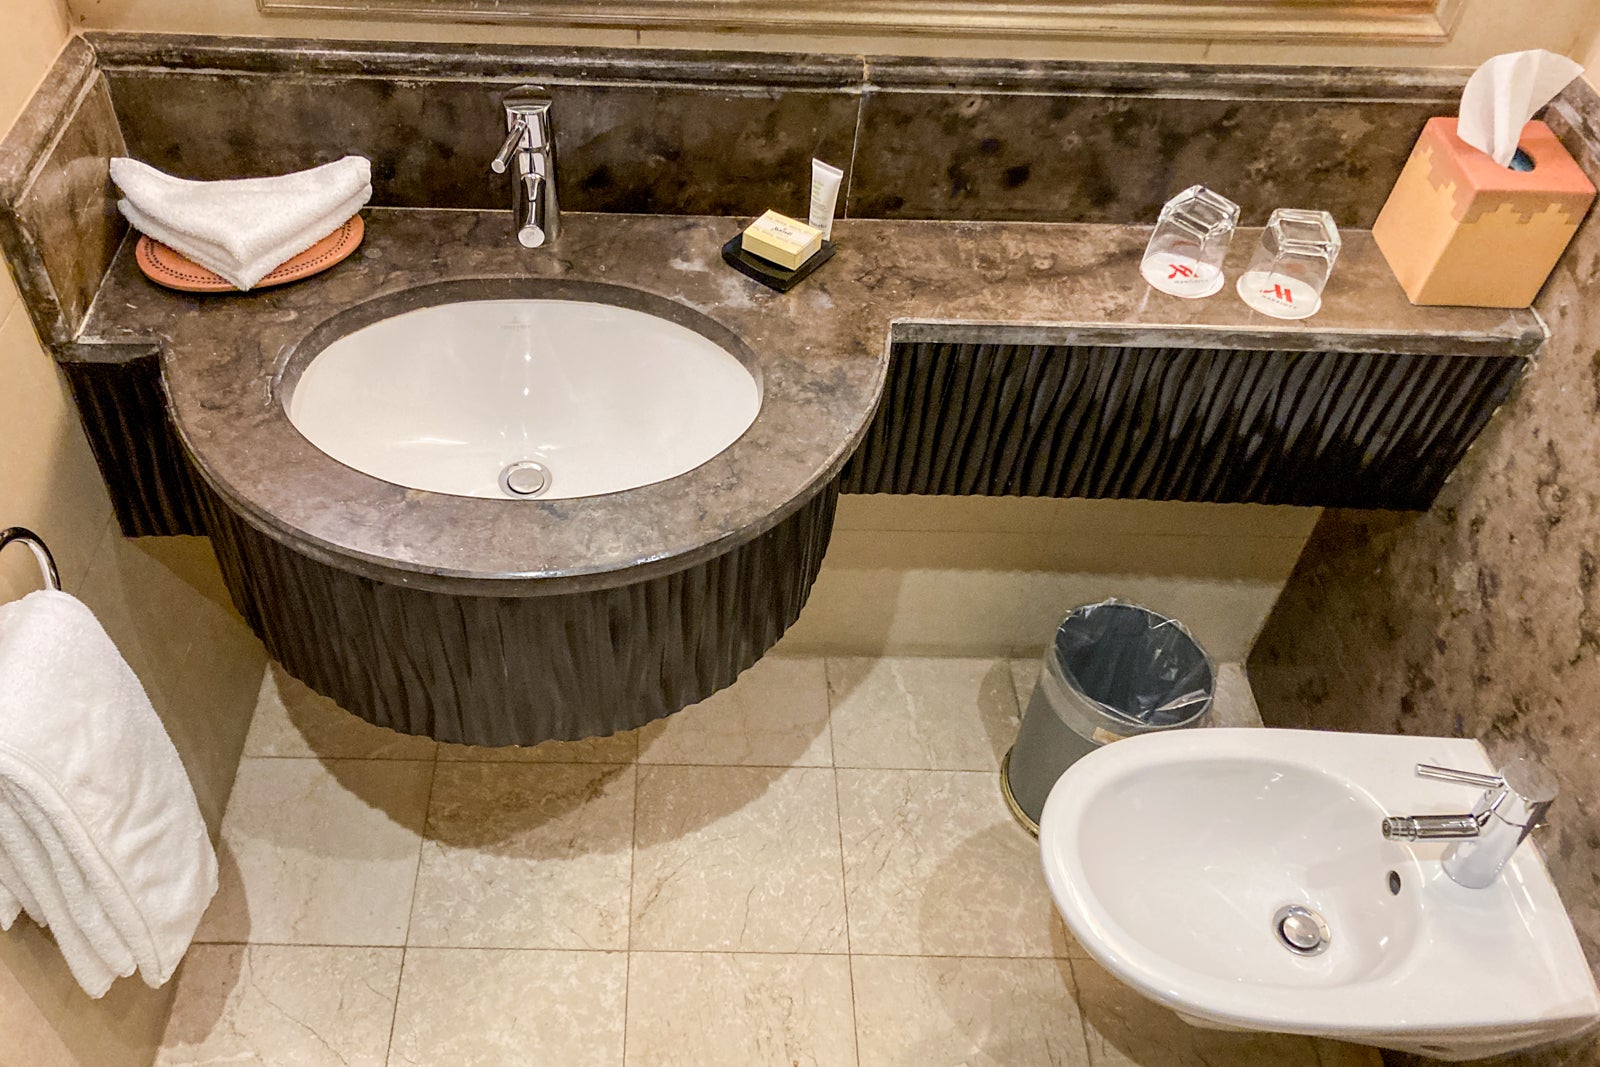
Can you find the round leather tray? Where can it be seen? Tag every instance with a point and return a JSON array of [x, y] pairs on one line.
[[164, 266]]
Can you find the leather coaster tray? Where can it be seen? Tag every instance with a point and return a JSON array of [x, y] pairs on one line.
[[770, 274], [164, 266]]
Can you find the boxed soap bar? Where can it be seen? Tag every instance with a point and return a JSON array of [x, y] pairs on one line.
[[1460, 229], [779, 239]]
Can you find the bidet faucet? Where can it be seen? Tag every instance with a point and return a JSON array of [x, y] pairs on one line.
[[529, 152], [1512, 804]]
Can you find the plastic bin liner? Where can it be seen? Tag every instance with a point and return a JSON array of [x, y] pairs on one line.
[[1135, 664]]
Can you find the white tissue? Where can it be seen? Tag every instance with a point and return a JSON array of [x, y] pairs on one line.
[[1503, 94]]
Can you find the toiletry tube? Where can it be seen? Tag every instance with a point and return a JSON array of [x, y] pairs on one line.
[[825, 181]]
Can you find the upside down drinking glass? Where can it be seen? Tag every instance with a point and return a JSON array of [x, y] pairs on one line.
[[1185, 253], [1291, 266]]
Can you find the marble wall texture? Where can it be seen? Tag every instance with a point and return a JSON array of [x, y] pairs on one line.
[[686, 133], [1481, 617], [59, 224]]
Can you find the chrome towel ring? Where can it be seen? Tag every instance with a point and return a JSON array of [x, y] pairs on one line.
[[47, 562]]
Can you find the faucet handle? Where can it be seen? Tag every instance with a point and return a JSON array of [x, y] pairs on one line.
[[1522, 776], [1448, 774], [1520, 794], [515, 137]]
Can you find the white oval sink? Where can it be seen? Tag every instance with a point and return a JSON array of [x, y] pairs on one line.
[[1171, 856], [1182, 840], [449, 398]]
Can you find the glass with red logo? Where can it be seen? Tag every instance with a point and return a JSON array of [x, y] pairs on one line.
[[1291, 266], [1184, 256]]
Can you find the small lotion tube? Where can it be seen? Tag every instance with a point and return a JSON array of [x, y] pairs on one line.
[[825, 181]]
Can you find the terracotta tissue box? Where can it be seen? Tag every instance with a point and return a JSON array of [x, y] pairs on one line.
[[1461, 229]]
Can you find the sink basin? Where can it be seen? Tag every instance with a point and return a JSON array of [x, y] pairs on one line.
[[510, 398], [1172, 856]]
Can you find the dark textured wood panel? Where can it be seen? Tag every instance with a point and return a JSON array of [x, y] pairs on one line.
[[521, 670], [122, 405], [1328, 429]]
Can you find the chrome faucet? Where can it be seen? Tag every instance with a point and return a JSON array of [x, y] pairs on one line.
[[1512, 804], [529, 153]]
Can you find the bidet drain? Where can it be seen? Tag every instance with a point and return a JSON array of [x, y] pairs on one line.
[[1301, 930], [524, 478]]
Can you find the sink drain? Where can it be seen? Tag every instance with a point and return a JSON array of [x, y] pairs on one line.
[[1301, 930], [524, 478]]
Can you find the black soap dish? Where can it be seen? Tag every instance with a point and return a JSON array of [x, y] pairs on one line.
[[770, 274]]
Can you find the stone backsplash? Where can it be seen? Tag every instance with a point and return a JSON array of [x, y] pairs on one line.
[[687, 133]]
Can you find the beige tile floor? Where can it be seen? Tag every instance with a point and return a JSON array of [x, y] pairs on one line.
[[813, 868]]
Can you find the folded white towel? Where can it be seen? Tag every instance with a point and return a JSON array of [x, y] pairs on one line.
[[100, 835], [242, 229]]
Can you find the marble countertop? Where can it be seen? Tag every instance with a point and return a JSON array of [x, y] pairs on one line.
[[821, 352]]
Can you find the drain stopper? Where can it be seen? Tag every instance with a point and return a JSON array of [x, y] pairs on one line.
[[525, 478], [1301, 930]]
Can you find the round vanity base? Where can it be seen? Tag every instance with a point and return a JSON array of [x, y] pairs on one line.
[[487, 670]]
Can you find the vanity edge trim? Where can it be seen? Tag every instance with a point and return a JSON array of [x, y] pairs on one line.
[[199, 53], [1524, 335], [488, 63], [45, 117], [555, 583]]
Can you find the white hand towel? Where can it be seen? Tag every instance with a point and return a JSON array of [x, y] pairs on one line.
[[95, 952], [242, 229], [102, 839]]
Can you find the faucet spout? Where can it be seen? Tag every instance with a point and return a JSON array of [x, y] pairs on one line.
[[1430, 827], [530, 211]]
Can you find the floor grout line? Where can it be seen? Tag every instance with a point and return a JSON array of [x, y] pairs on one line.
[[394, 1013], [844, 881], [627, 962], [655, 951], [353, 759], [1083, 1016], [687, 766], [422, 844], [411, 912], [833, 734]]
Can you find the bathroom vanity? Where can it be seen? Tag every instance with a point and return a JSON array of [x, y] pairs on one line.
[[1013, 359], [936, 355]]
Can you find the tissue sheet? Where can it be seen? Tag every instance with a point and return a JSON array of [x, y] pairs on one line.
[[1504, 93]]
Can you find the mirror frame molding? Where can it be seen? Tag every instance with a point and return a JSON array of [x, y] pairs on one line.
[[1358, 20]]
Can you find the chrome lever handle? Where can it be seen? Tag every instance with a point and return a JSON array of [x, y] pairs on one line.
[[1520, 794], [514, 140], [1448, 774]]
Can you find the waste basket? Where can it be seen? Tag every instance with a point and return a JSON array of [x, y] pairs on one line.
[[1114, 670]]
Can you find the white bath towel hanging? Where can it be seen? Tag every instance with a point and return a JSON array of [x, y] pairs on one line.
[[101, 838], [242, 229]]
